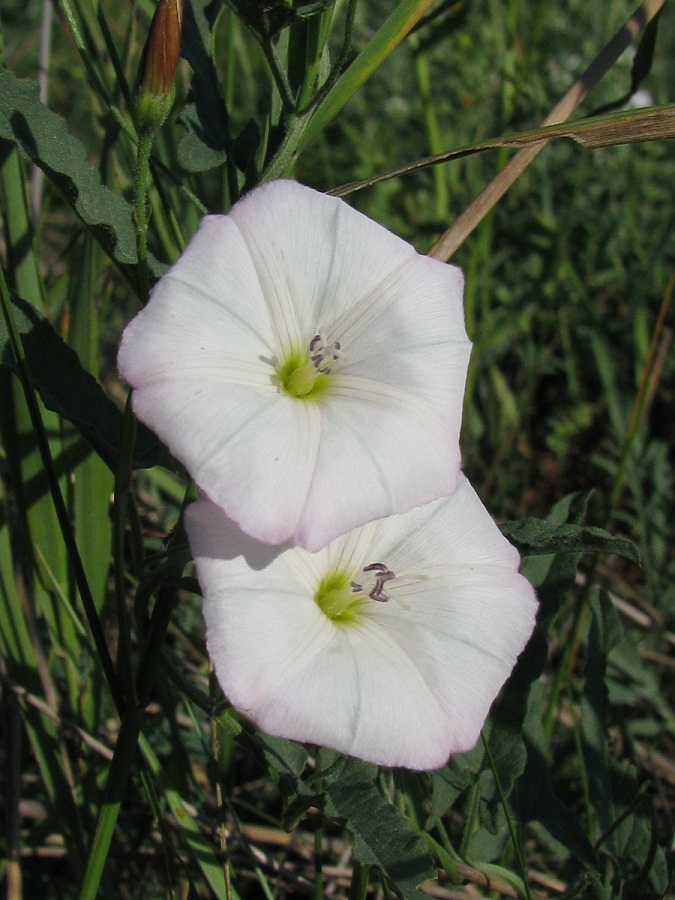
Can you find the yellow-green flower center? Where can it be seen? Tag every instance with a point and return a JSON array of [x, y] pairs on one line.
[[305, 374], [336, 599], [341, 599]]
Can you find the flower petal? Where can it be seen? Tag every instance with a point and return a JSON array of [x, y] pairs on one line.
[[370, 461], [252, 287], [258, 451], [318, 259], [405, 682]]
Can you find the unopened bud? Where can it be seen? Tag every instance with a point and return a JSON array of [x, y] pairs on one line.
[[157, 72]]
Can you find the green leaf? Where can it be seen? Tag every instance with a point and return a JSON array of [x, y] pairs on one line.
[[538, 801], [189, 830], [401, 21], [604, 633], [538, 536], [287, 757], [68, 389], [207, 141], [42, 137], [382, 836], [553, 574], [505, 734], [642, 64]]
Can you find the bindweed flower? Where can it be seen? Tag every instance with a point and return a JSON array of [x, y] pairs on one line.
[[305, 365], [390, 644]]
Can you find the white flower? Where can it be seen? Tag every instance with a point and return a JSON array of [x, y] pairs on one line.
[[389, 644], [305, 365]]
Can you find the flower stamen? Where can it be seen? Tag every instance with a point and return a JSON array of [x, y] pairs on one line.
[[320, 352], [302, 375], [376, 592]]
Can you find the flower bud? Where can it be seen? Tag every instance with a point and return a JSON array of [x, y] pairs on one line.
[[157, 71]]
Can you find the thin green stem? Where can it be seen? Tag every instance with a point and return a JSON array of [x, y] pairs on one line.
[[57, 497], [569, 652], [141, 177], [154, 640], [581, 763], [470, 820], [434, 140], [125, 748], [358, 886], [337, 66], [113, 54], [509, 820], [262, 880], [102, 90], [121, 493], [118, 775], [315, 34], [379, 47], [318, 862], [285, 154], [640, 401], [279, 75]]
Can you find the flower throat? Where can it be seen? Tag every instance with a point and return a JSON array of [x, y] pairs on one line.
[[305, 375]]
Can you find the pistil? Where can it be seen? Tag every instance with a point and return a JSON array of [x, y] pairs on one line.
[[305, 375], [336, 600]]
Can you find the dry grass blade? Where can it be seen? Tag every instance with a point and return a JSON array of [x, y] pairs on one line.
[[626, 127], [448, 243]]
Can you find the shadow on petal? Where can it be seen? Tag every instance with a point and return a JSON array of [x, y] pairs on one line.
[[221, 538]]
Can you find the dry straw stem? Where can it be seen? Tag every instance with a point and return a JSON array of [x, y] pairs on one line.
[[446, 245]]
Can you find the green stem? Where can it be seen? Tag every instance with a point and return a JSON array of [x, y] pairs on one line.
[[509, 820], [112, 53], [562, 672], [286, 152], [339, 62], [434, 140], [118, 775], [121, 492], [279, 75], [315, 34], [127, 740], [96, 79], [470, 820], [57, 497], [379, 47], [141, 177], [154, 640], [639, 403], [358, 886], [318, 862]]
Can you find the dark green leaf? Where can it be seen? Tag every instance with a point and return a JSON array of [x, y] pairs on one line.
[[42, 137], [644, 55], [68, 389], [287, 757], [539, 536], [552, 575], [382, 836], [537, 799], [207, 141], [603, 634], [642, 64]]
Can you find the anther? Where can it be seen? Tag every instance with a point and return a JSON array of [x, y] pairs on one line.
[[323, 356], [383, 574]]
